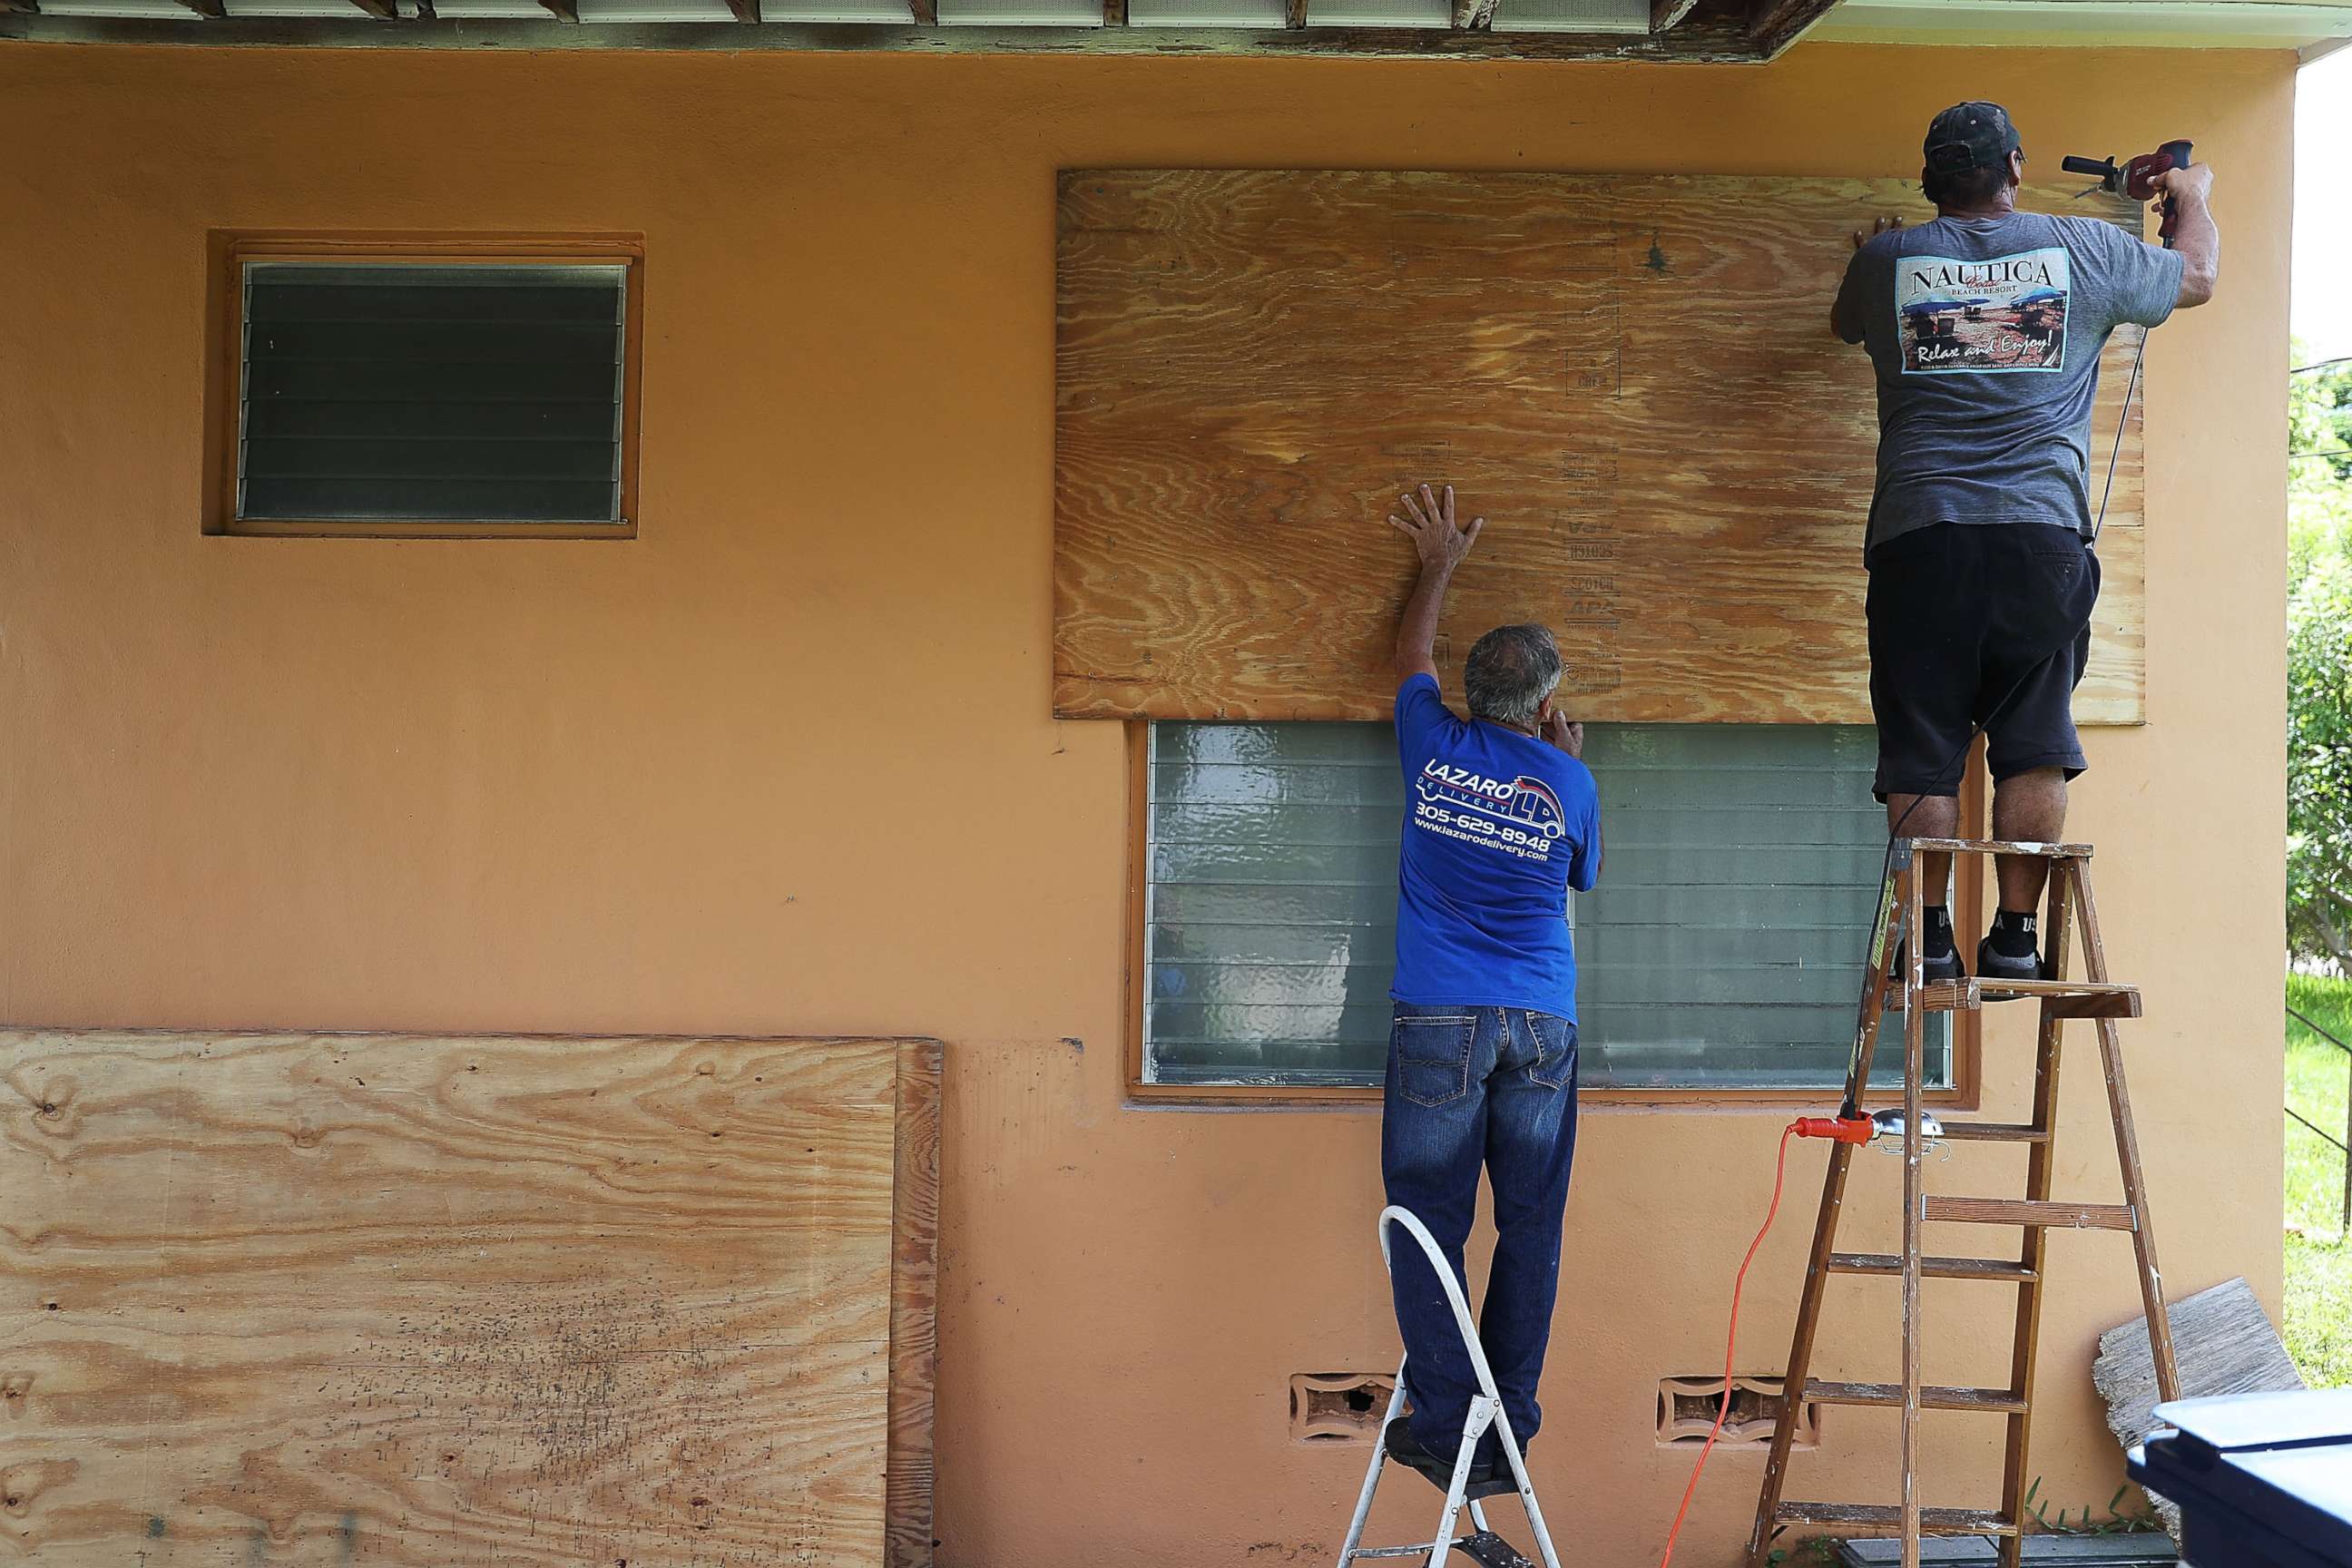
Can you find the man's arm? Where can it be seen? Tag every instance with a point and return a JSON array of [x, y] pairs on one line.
[[2194, 235], [1842, 323], [1569, 736], [1429, 523]]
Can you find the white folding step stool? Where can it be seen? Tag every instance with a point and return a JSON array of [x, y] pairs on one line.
[[1486, 1409]]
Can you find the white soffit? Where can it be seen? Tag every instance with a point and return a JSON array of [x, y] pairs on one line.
[[2242, 23], [1570, 16], [654, 11], [1208, 12], [877, 11], [117, 10], [1378, 14], [1019, 13]]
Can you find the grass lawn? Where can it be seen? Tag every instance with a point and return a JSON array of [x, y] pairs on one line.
[[2318, 1253]]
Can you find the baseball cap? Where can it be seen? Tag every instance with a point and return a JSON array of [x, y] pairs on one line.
[[1973, 135]]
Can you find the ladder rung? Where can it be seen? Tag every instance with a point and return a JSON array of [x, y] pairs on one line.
[[1995, 1133], [2002, 847], [2064, 998], [2026, 1212], [1932, 1267], [1881, 1516], [1933, 1396]]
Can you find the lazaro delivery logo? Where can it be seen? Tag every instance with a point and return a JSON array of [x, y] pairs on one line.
[[1521, 816]]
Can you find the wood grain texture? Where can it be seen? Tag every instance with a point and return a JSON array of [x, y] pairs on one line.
[[461, 1301], [1631, 377], [914, 1301]]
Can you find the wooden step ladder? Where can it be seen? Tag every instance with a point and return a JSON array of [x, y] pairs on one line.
[[2094, 998]]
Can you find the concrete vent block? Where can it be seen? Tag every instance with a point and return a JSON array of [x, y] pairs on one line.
[[1339, 1406]]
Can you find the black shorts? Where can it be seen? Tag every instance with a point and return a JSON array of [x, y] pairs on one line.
[[1965, 617]]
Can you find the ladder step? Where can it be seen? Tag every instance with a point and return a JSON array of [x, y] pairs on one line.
[[2063, 998], [1996, 1401], [1869, 1516], [1932, 1267], [2025, 1212], [2002, 847], [1995, 1133]]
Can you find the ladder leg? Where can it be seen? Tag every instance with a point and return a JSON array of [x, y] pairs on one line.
[[2039, 1163], [2111, 1061], [1879, 973], [1373, 1473], [1914, 1039], [1514, 1457], [1482, 1415]]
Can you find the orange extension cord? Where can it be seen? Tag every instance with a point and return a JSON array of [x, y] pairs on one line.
[[1731, 1346]]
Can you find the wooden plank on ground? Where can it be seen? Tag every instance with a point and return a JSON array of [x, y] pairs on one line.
[[1631, 377], [2224, 1343], [446, 1303]]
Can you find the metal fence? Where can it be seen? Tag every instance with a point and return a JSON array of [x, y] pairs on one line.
[[2342, 1145]]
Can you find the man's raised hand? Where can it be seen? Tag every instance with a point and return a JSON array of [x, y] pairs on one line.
[[1878, 226], [1429, 523], [1564, 733]]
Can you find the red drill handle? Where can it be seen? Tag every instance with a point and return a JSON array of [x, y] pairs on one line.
[[1838, 1129], [2139, 181]]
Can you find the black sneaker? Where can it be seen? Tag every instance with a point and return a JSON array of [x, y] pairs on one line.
[[1490, 1475], [1406, 1450], [2010, 951], [1940, 955]]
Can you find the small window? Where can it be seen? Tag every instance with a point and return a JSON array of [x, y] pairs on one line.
[[430, 395], [1720, 951]]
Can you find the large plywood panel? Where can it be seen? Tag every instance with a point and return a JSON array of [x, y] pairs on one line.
[[457, 1301], [1631, 377]]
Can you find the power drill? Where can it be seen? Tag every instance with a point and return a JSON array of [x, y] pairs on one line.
[[2137, 178]]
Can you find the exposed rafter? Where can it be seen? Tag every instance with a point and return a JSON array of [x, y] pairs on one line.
[[1715, 34], [1114, 12], [1774, 25], [381, 10], [562, 10], [1473, 16], [745, 10], [210, 10], [925, 12], [20, 8], [1664, 14]]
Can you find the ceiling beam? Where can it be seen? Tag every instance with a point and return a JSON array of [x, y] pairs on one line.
[[1774, 25], [1664, 14], [1704, 39]]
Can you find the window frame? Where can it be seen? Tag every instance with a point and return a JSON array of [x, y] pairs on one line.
[[1968, 914], [224, 366]]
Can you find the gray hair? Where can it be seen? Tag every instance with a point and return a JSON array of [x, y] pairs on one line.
[[1510, 671]]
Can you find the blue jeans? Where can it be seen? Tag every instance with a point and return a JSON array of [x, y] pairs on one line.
[[1466, 1086]]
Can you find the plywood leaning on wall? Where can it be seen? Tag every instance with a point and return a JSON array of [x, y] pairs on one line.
[[444, 1303], [1631, 377]]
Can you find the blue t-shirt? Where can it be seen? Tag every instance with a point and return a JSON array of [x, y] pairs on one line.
[[1498, 827]]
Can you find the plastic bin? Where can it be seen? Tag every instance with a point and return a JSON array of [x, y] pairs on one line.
[[2262, 1480]]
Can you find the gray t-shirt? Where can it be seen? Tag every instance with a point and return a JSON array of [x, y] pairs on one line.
[[1986, 333]]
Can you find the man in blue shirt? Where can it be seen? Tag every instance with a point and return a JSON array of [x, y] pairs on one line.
[[1501, 821]]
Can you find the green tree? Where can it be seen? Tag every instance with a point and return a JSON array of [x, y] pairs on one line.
[[2319, 665]]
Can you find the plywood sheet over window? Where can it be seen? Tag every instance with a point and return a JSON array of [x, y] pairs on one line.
[[1632, 378], [423, 1302]]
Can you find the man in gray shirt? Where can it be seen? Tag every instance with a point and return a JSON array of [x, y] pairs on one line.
[[1985, 327]]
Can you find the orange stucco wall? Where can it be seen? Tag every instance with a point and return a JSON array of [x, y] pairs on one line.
[[784, 763]]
